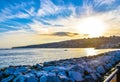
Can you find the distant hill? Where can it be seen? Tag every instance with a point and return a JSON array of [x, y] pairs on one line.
[[101, 42]]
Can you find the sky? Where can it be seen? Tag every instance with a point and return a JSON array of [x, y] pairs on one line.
[[27, 22]]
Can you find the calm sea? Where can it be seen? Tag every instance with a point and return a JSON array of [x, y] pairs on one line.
[[33, 56]]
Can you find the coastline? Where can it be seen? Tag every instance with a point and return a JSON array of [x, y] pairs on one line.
[[90, 69]]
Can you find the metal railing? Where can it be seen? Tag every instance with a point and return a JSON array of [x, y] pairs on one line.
[[115, 73]]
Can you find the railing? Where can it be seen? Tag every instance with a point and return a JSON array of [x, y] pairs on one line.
[[114, 76]]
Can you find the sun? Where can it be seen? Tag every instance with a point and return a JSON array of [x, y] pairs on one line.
[[94, 27]]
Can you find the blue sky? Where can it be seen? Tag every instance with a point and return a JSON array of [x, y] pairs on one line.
[[20, 18]]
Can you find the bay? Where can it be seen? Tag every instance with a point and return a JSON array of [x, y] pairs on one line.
[[32, 56]]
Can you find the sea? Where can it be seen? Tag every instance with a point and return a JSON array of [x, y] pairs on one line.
[[32, 56]]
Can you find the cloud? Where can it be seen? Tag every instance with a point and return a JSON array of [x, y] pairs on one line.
[[47, 7], [103, 2], [21, 15], [57, 20], [15, 32], [15, 11], [51, 15], [62, 34]]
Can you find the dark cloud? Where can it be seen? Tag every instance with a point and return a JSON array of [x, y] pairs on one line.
[[69, 34]]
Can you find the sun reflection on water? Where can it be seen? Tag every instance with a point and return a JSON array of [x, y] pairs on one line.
[[90, 51]]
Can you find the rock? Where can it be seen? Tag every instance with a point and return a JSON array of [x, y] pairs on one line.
[[116, 59], [50, 63], [76, 75], [98, 75], [32, 79], [33, 71], [61, 68], [108, 66], [38, 66], [112, 61], [1, 75], [88, 69], [20, 78], [64, 78], [100, 69], [67, 80], [49, 68], [61, 73], [88, 78], [25, 78], [41, 73], [20, 70], [76, 68], [52, 74], [9, 70], [29, 75], [7, 79], [49, 79], [94, 76], [43, 78]]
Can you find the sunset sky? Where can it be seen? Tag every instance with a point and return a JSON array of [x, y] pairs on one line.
[[26, 22]]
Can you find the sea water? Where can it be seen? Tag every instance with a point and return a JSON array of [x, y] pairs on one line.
[[32, 56]]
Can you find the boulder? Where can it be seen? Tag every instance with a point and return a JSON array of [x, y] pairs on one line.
[[7, 79], [32, 79], [61, 68], [33, 71], [49, 68], [88, 78], [29, 75], [1, 75], [94, 76], [43, 78], [64, 78], [51, 73], [50, 63], [108, 66], [41, 73], [9, 70], [38, 66], [20, 70], [20, 78], [75, 75], [100, 69], [61, 73], [76, 68], [67, 80], [49, 79]]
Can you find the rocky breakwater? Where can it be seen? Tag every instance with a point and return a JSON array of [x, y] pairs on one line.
[[84, 69]]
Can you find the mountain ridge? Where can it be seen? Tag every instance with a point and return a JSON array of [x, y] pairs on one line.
[[101, 42]]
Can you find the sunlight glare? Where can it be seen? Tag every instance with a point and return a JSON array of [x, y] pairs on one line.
[[90, 51], [94, 27]]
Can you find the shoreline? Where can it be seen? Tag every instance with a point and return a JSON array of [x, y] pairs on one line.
[[90, 69]]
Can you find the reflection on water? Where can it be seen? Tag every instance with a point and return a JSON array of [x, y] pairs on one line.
[[33, 56], [90, 51]]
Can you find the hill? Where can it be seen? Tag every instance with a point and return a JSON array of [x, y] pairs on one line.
[[101, 42]]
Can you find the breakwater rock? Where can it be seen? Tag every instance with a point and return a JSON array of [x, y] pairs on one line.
[[84, 69]]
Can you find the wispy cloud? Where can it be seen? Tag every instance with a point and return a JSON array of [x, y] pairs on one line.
[[103, 2], [47, 7], [14, 11]]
